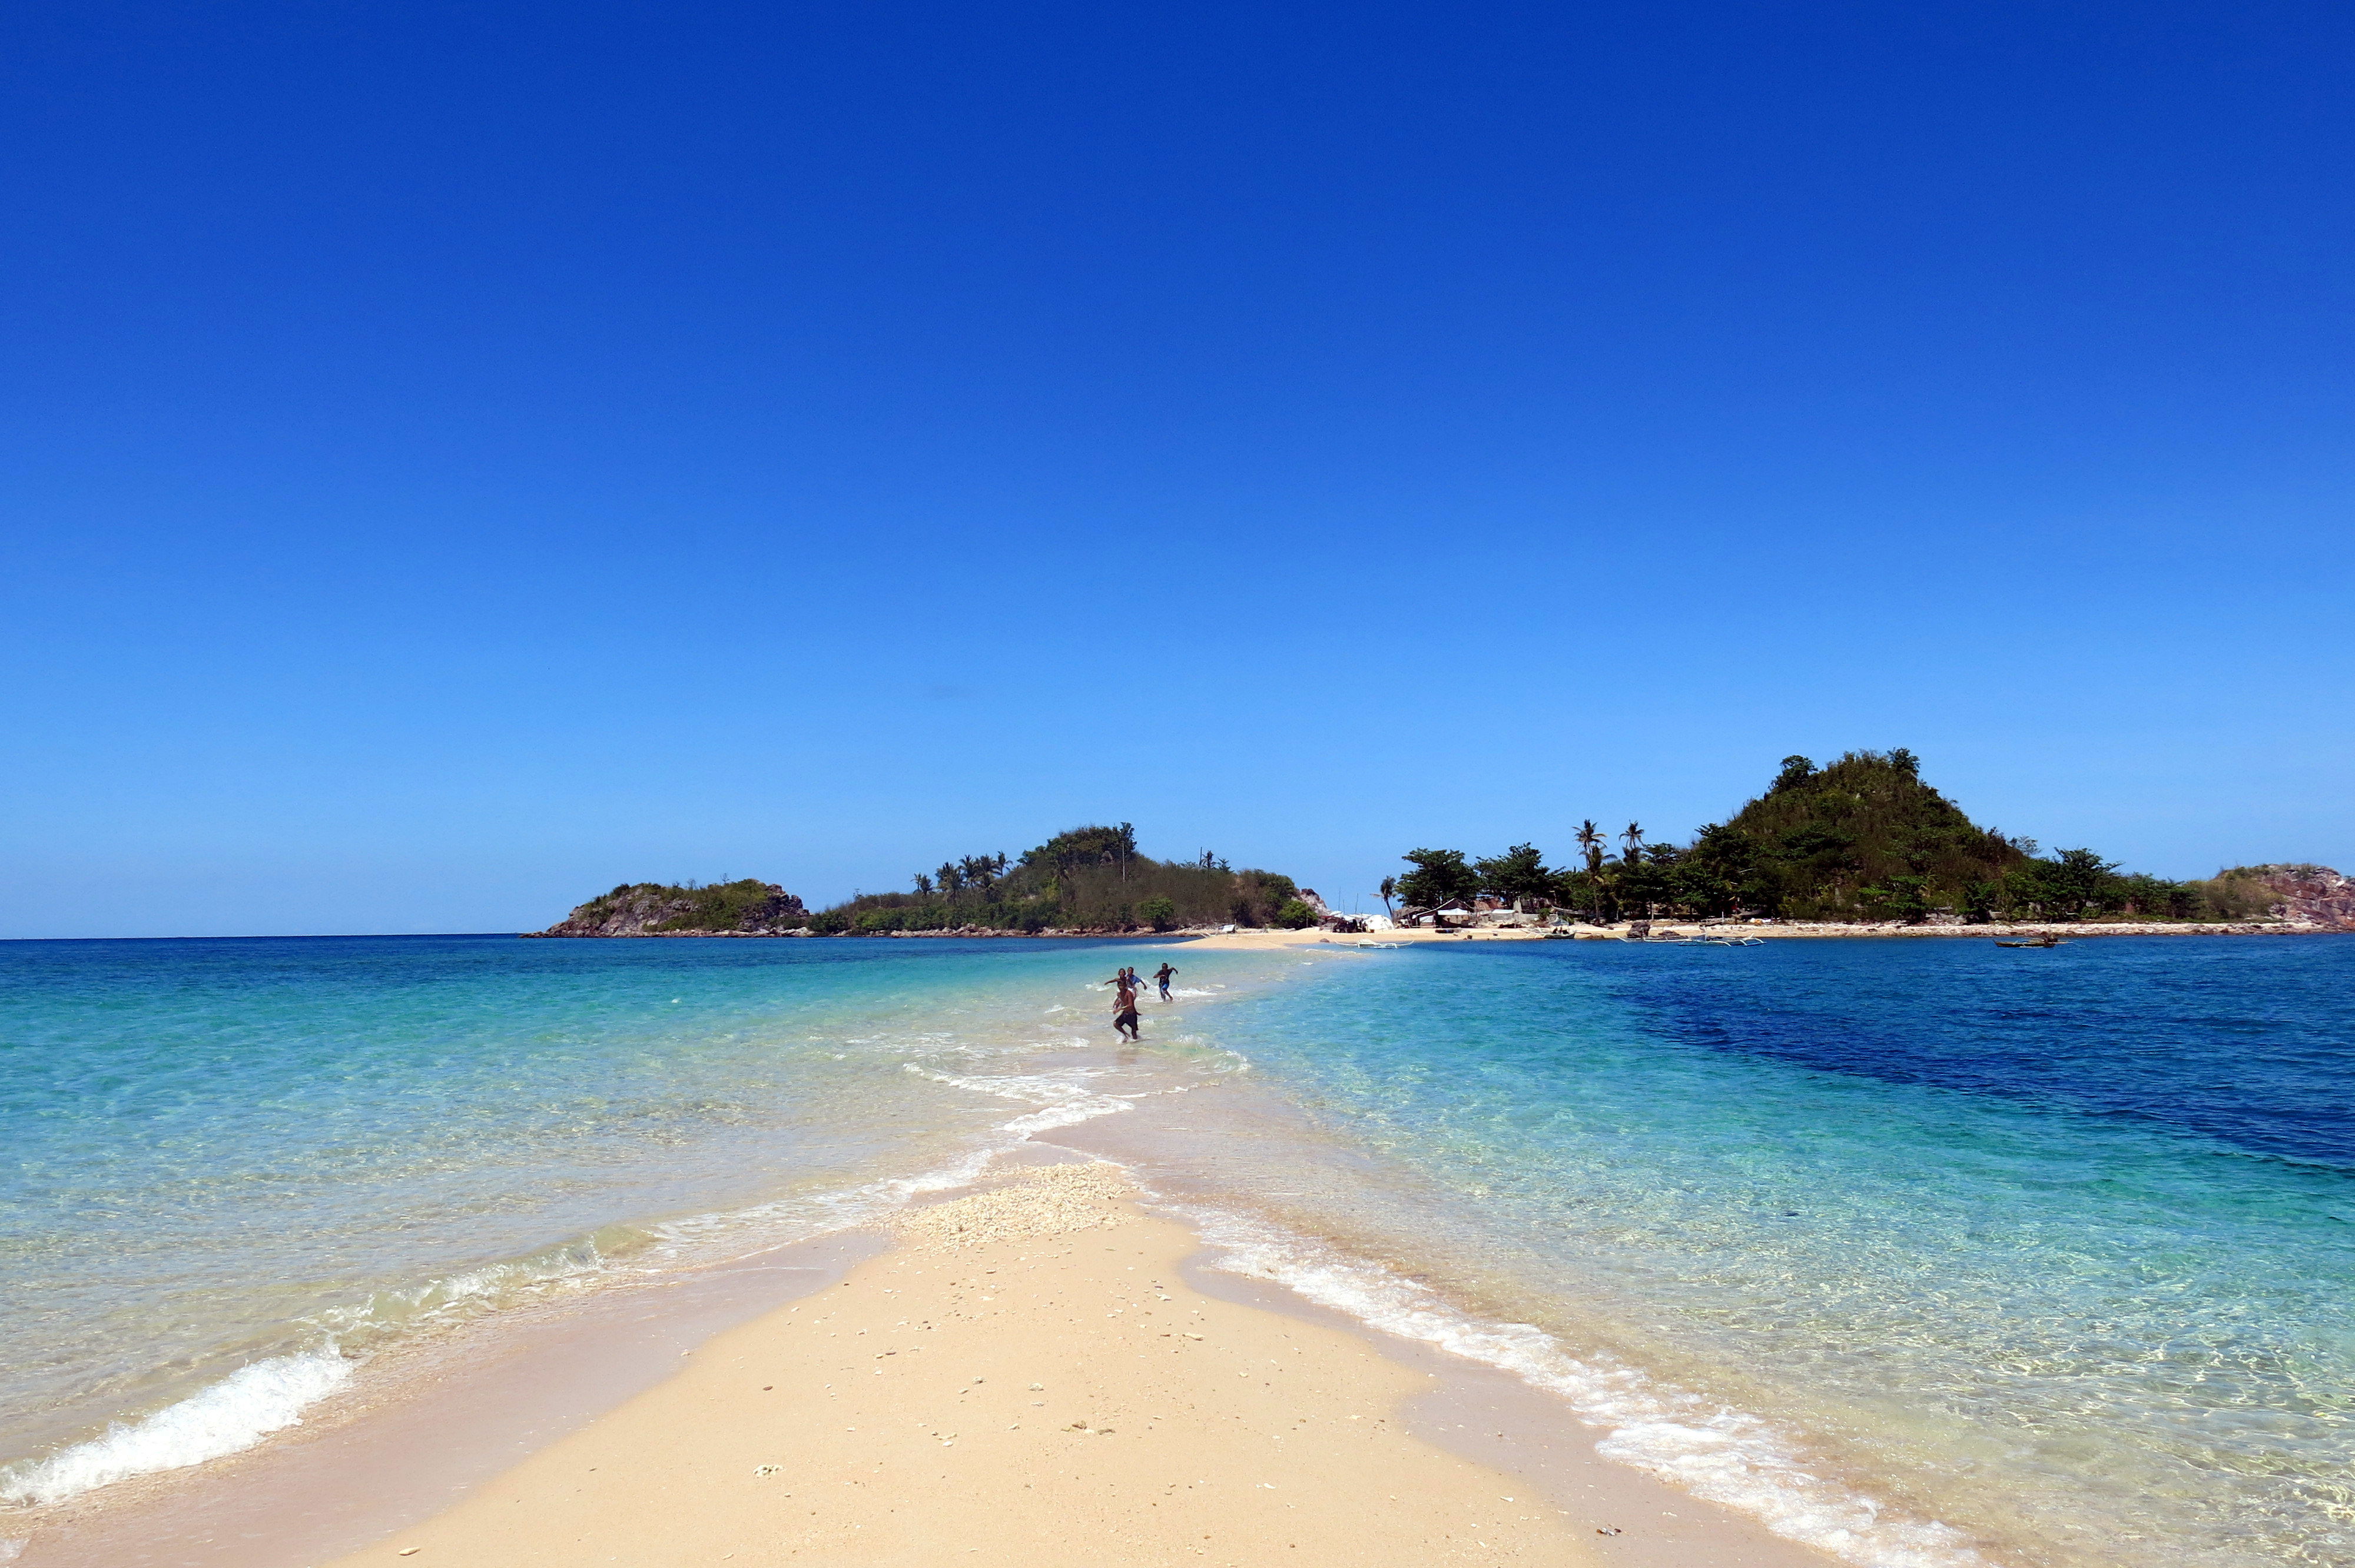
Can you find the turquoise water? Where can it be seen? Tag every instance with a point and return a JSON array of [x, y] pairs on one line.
[[2057, 1248], [269, 1156], [1926, 1252]]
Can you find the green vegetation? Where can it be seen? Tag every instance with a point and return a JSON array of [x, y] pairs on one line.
[[747, 904], [2238, 893], [1090, 878], [1862, 839]]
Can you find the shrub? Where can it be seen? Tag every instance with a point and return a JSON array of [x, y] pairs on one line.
[[1158, 913], [1293, 915]]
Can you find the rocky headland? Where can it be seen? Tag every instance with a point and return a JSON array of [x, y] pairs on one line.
[[2307, 895]]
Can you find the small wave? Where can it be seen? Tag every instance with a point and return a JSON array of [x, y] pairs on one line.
[[449, 1299], [227, 1417], [1061, 1102], [817, 1213], [1724, 1456]]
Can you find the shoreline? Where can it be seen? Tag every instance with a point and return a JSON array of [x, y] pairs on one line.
[[1209, 1418], [1617, 931]]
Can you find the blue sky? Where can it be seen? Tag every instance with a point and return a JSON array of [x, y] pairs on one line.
[[453, 459]]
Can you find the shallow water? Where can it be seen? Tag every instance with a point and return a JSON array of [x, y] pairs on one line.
[[1927, 1252], [262, 1158], [2055, 1247]]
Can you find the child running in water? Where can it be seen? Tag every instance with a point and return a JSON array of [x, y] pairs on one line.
[[1123, 1008], [1163, 974]]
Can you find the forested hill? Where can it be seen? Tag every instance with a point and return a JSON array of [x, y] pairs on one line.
[[1862, 839], [1865, 839], [1087, 879], [745, 908], [1858, 835]]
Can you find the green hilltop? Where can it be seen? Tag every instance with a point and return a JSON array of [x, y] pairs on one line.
[[1863, 838], [1087, 878]]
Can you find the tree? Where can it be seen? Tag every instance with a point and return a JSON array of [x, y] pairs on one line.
[[2073, 882], [1387, 890], [1438, 876], [1903, 898], [923, 884], [1633, 838], [1796, 770], [1720, 874], [1642, 882], [1520, 872], [1590, 839], [1293, 915], [1157, 913]]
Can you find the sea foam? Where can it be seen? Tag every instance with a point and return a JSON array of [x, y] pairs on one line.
[[226, 1417], [1061, 1102], [1724, 1456]]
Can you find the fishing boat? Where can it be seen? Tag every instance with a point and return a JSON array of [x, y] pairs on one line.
[[2047, 940]]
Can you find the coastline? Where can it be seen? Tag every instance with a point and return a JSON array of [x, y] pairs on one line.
[[1826, 930], [1268, 937]]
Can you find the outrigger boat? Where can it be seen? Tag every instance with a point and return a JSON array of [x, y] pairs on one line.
[[2047, 940]]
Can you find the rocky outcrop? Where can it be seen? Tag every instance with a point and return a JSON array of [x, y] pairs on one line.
[[2309, 893], [745, 908]]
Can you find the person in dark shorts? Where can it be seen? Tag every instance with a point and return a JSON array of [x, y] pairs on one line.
[[1123, 1010], [1163, 975]]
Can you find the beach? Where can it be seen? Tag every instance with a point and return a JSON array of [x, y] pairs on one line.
[[1037, 1370], [1887, 1253], [1028, 1376]]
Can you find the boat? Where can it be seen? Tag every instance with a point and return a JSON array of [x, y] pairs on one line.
[[2047, 940]]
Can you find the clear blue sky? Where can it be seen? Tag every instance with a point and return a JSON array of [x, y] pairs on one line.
[[456, 458]]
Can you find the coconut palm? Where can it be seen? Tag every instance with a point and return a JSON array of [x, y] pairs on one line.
[[1633, 838], [1387, 890], [1590, 839]]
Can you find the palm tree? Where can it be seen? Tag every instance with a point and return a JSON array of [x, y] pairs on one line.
[[1634, 838], [1591, 840], [1388, 890]]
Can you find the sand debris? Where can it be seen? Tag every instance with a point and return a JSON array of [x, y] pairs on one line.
[[1038, 1201]]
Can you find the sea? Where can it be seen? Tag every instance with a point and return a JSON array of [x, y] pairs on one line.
[[1927, 1253]]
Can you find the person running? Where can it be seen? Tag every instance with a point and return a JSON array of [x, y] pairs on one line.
[[1123, 1010], [1163, 976]]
